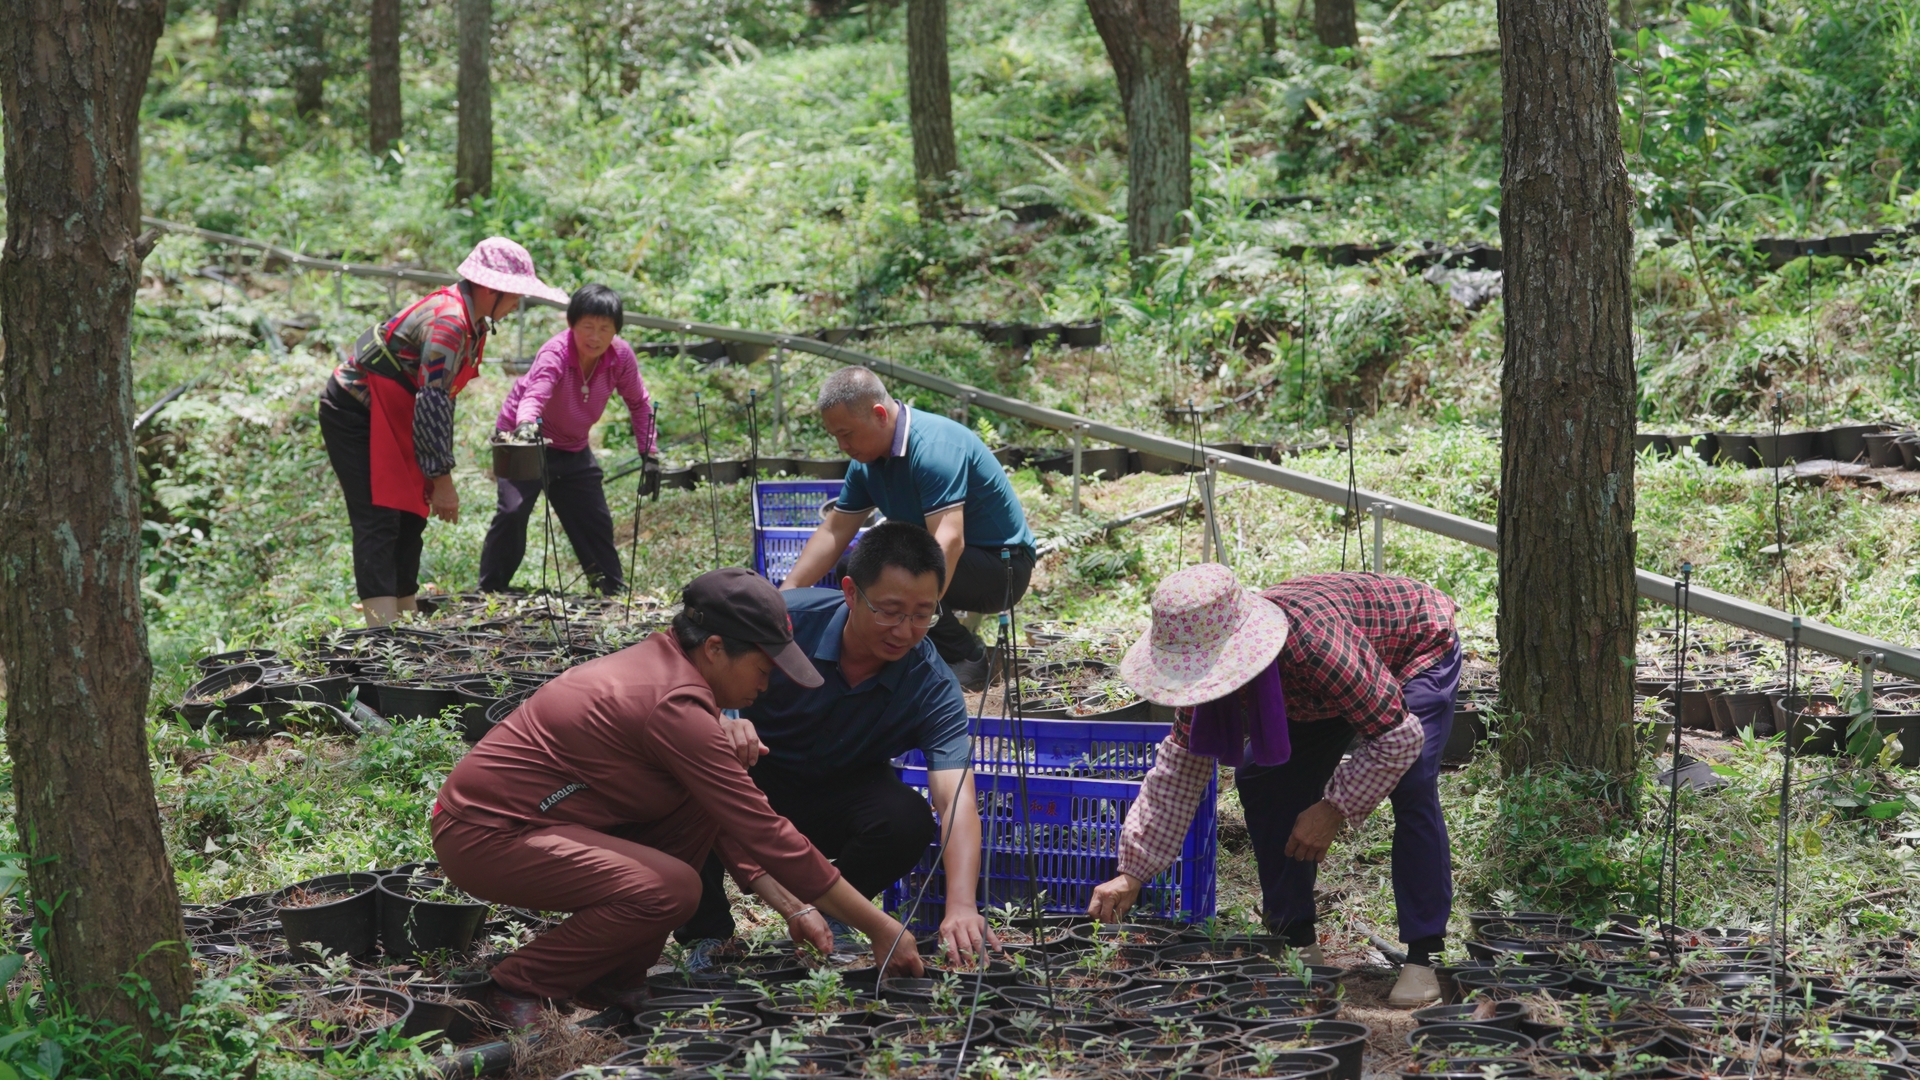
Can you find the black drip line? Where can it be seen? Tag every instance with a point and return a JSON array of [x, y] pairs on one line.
[[1350, 512], [713, 495], [1669, 900], [550, 550]]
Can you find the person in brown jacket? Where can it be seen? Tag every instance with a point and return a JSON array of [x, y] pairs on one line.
[[603, 793]]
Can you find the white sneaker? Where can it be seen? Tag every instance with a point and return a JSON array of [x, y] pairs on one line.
[[1417, 986]]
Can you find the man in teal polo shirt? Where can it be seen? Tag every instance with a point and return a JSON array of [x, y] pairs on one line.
[[924, 469], [828, 767]]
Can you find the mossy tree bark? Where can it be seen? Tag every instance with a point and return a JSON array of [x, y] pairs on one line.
[[1568, 394], [930, 105], [1147, 45], [473, 156], [72, 635], [1335, 23], [383, 76], [309, 26]]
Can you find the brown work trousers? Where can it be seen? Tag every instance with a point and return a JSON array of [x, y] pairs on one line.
[[626, 891]]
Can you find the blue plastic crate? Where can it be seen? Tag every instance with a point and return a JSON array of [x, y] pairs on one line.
[[792, 504], [776, 550], [1082, 776]]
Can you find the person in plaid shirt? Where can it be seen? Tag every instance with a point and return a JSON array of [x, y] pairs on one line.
[[1275, 685]]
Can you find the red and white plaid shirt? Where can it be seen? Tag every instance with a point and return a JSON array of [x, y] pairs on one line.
[[1352, 641]]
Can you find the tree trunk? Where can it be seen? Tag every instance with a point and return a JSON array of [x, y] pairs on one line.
[[1269, 26], [225, 14], [383, 76], [1567, 619], [1333, 23], [930, 105], [72, 636], [310, 64], [473, 166], [1148, 49]]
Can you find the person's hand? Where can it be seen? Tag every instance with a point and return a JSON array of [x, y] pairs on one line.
[[1112, 899], [809, 927], [745, 741], [528, 432], [905, 962], [445, 501], [1313, 832], [963, 931], [650, 474]]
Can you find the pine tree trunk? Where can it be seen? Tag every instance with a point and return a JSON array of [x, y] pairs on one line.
[[930, 105], [1568, 395], [72, 635], [1333, 23], [1147, 46], [383, 76], [473, 165], [225, 14]]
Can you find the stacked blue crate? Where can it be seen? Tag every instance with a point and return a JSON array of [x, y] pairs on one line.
[[785, 514]]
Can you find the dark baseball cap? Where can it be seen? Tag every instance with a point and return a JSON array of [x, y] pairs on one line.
[[736, 602]]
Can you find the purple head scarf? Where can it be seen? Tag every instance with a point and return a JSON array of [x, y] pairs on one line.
[[1248, 726]]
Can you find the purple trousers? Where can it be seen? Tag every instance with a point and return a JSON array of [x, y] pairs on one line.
[[1422, 863]]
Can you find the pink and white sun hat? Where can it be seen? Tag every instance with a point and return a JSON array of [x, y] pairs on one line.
[[1209, 636], [502, 265]]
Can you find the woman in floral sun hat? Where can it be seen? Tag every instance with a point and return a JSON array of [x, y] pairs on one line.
[[1274, 685], [387, 417]]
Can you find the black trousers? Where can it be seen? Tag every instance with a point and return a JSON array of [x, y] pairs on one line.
[[386, 542], [579, 500], [982, 581], [873, 827]]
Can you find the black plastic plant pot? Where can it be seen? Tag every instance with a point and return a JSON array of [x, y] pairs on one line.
[[1883, 449], [344, 923], [346, 1016], [1136, 935], [1845, 1044], [1344, 1040], [1292, 1064], [1073, 980], [817, 1046], [1511, 981], [413, 701], [1457, 1042], [410, 924], [1191, 998], [1262, 1011], [1176, 1041], [211, 664], [933, 1034], [1466, 1069], [455, 1018], [1086, 335], [1478, 921], [1737, 448], [1835, 1069], [717, 1022], [1505, 1015], [1222, 955], [326, 690], [998, 973], [237, 684], [668, 993], [684, 1055]]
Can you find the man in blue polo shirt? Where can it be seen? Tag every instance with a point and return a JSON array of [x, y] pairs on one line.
[[922, 468], [828, 767]]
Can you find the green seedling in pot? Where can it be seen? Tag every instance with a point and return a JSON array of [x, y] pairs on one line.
[[947, 994], [824, 991], [764, 1061], [1173, 1030]]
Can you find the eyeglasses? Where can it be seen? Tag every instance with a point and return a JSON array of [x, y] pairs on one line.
[[891, 618]]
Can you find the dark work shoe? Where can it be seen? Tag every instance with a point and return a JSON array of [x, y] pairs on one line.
[[632, 1000], [516, 1011], [973, 674]]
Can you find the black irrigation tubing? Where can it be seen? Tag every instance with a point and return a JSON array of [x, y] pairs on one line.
[[1746, 614]]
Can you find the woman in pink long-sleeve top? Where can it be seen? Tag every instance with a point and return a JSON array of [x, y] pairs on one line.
[[560, 398]]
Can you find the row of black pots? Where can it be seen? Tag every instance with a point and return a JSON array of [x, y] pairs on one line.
[[1874, 443], [376, 912]]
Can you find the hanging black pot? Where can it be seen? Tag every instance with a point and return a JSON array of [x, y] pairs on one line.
[[343, 923], [411, 924]]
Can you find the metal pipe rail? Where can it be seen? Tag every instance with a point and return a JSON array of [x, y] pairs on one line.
[[1732, 610]]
